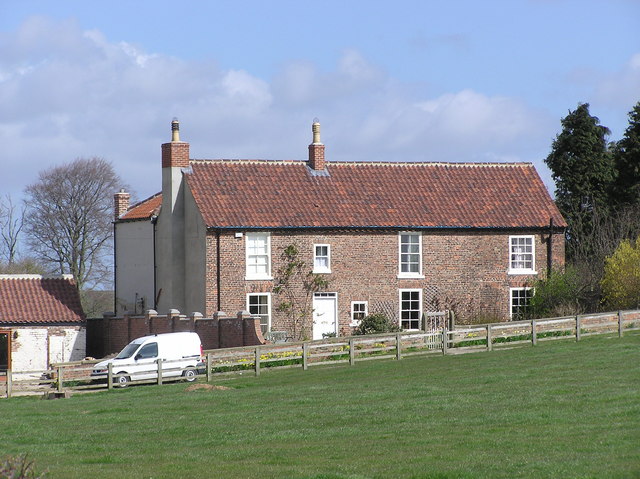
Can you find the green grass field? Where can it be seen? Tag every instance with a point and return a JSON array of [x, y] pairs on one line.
[[561, 409]]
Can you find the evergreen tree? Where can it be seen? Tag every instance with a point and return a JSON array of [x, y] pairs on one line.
[[626, 190], [581, 163], [583, 169]]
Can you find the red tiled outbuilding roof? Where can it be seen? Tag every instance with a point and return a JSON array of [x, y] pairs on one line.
[[31, 299], [269, 194], [145, 209]]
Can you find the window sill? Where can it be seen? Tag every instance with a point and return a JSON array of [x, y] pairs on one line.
[[410, 276], [258, 278], [522, 271], [321, 271]]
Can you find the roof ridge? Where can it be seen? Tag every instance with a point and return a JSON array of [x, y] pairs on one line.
[[472, 164], [28, 276]]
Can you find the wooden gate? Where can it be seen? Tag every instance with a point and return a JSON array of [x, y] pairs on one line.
[[434, 322]]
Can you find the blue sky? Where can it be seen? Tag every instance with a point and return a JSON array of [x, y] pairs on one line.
[[406, 80]]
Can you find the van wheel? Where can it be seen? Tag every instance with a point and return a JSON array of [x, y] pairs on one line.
[[189, 374], [123, 381]]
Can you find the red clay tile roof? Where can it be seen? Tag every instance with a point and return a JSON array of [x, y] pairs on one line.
[[145, 209], [269, 194], [33, 300]]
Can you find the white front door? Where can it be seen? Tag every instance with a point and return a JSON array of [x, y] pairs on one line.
[[325, 307]]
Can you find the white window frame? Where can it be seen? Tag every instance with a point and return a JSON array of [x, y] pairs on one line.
[[511, 291], [250, 263], [420, 310], [410, 274], [268, 295], [317, 268], [513, 253], [354, 321]]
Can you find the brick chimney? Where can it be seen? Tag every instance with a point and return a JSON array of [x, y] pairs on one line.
[[316, 149], [176, 153], [120, 203]]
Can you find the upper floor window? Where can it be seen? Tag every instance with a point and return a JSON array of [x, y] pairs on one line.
[[410, 255], [322, 258], [258, 255], [522, 255]]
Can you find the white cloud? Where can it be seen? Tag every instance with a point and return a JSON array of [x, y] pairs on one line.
[[621, 89], [66, 93]]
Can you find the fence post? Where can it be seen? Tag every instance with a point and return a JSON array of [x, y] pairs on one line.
[[110, 376], [60, 378], [159, 371], [578, 327], [398, 347], [305, 347], [208, 367], [445, 340], [534, 337], [489, 338], [619, 323], [352, 352], [9, 383], [257, 361]]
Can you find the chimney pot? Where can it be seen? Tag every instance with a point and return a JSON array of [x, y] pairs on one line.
[[175, 130]]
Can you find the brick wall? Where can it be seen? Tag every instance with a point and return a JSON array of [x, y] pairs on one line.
[[109, 335], [463, 271]]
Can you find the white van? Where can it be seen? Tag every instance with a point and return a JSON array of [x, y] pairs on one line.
[[181, 355]]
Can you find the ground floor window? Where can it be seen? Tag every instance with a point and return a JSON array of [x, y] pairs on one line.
[[520, 300], [410, 308], [259, 304], [359, 309]]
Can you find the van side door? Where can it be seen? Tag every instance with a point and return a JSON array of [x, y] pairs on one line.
[[146, 361]]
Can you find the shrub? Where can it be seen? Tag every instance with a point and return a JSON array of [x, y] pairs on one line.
[[557, 295], [18, 467], [621, 280], [376, 323]]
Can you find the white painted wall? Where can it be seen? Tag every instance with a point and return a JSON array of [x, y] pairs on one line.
[[170, 247], [36, 348], [195, 240], [134, 265]]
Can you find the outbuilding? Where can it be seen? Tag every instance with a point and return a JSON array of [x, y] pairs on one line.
[[41, 322]]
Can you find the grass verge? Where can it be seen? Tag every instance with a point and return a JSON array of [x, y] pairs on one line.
[[560, 409]]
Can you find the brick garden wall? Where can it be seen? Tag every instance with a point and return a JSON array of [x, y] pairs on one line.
[[109, 335]]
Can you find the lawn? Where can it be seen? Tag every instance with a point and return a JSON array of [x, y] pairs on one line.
[[560, 409]]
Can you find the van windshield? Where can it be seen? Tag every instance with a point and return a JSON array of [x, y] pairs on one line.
[[128, 351]]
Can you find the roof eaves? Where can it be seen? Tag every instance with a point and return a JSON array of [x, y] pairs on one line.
[[388, 227]]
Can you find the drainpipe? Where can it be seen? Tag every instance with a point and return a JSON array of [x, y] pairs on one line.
[[115, 272], [550, 249], [154, 221], [218, 275]]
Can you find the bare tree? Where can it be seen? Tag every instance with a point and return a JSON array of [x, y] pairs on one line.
[[592, 238], [11, 224], [69, 217]]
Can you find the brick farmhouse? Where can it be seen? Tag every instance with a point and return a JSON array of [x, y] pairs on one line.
[[398, 238]]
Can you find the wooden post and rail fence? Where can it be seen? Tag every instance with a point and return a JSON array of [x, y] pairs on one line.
[[350, 350]]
